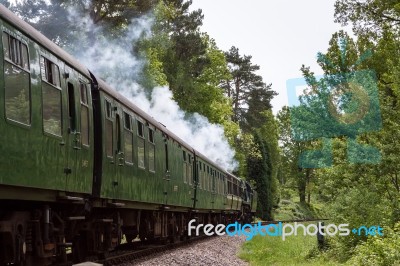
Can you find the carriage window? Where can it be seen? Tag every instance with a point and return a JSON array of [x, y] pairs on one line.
[[50, 72], [6, 45], [108, 109], [109, 130], [151, 135], [17, 94], [140, 129], [84, 115], [218, 184], [200, 181], [140, 132], [202, 176], [51, 96], [224, 182], [15, 51], [151, 151], [205, 178], [16, 80], [189, 170], [51, 109], [184, 167], [127, 121], [128, 138]]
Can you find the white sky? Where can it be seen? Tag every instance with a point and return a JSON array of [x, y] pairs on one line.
[[280, 35]]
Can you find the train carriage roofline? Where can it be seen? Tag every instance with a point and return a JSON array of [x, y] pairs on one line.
[[42, 40], [213, 164]]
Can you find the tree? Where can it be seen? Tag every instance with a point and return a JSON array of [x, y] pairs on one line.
[[55, 18], [259, 170], [180, 45], [359, 191], [244, 86], [291, 149], [370, 17]]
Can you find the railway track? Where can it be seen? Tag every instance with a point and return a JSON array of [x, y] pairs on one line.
[[130, 253]]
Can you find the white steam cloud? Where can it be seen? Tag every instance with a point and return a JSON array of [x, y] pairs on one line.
[[113, 61]]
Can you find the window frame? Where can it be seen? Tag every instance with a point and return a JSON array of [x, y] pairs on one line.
[[43, 56], [142, 138], [87, 106], [128, 130], [152, 144], [44, 70], [108, 119], [184, 167]]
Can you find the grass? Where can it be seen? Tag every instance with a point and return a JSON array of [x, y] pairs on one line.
[[289, 210], [295, 250]]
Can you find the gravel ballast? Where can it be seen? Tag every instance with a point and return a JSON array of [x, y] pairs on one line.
[[216, 251]]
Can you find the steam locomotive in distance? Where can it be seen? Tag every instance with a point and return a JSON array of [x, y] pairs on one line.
[[81, 167]]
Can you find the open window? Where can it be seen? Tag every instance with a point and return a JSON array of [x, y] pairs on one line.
[[151, 150], [109, 129], [141, 147], [84, 114], [128, 138], [184, 167]]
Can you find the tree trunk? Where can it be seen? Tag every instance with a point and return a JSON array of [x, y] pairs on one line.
[[301, 186], [308, 177]]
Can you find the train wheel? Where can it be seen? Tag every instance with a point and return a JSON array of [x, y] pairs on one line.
[[172, 233], [79, 248]]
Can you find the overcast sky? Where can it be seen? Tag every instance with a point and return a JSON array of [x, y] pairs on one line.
[[281, 35]]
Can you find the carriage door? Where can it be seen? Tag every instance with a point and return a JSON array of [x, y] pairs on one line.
[[167, 174], [79, 168], [114, 162], [119, 155], [211, 181]]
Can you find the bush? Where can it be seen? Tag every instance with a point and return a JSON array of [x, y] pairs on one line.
[[379, 250]]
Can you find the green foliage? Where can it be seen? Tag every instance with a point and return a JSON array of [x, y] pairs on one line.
[[245, 87], [290, 210], [360, 194], [290, 173], [53, 17], [189, 61], [259, 170], [379, 250], [369, 17], [153, 70]]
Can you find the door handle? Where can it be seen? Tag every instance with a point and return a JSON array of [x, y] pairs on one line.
[[77, 140]]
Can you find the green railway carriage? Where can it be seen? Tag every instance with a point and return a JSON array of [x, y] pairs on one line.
[[234, 194], [138, 161], [210, 185], [46, 142], [45, 123]]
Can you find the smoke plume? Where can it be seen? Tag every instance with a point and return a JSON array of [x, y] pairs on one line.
[[113, 61]]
